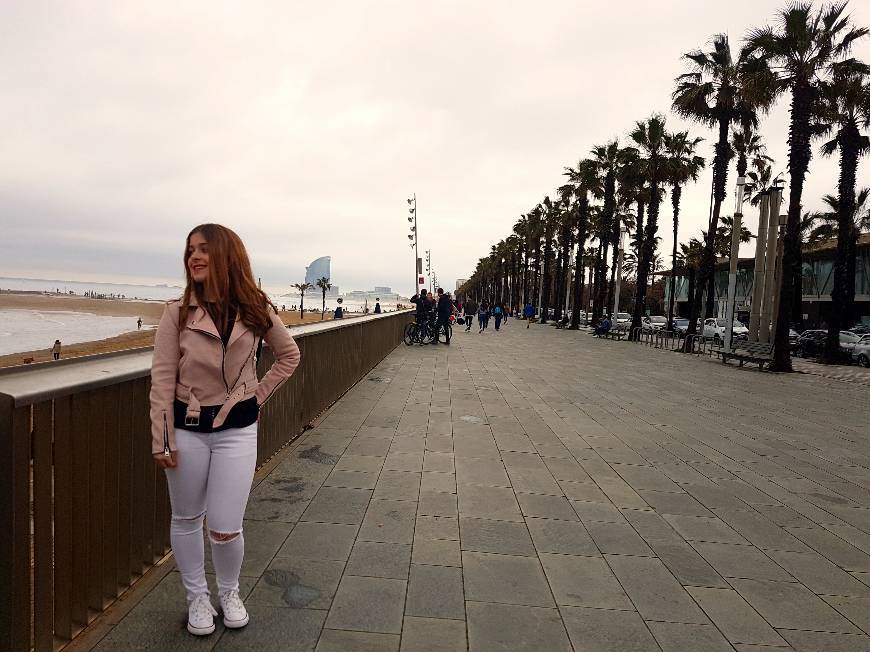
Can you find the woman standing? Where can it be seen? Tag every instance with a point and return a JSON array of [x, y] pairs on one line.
[[205, 402]]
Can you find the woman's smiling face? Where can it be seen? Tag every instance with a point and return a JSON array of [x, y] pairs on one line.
[[197, 260]]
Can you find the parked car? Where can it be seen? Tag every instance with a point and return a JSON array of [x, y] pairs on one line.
[[850, 339], [623, 319], [715, 329], [861, 352], [655, 323], [810, 343], [681, 325], [861, 329]]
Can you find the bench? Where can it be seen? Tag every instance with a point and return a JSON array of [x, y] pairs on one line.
[[759, 352], [616, 333]]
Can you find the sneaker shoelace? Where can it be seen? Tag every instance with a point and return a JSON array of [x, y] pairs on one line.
[[202, 608], [231, 600]]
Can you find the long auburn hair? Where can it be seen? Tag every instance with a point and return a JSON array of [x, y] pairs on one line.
[[230, 282]]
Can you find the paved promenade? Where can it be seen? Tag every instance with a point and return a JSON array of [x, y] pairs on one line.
[[542, 490]]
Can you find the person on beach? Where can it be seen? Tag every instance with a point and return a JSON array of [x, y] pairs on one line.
[[483, 316], [377, 306], [55, 350], [139, 324], [205, 404]]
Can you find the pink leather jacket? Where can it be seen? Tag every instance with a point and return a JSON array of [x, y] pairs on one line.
[[192, 365]]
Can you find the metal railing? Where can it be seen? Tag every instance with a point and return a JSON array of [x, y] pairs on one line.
[[83, 510]]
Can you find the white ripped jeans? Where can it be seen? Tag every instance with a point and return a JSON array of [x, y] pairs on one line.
[[212, 480]]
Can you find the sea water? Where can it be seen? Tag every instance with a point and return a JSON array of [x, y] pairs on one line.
[[31, 330]]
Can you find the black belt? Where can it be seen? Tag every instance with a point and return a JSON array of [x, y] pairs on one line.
[[241, 415]]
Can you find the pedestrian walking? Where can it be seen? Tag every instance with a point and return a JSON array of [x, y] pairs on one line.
[[497, 313], [483, 316], [528, 313], [204, 412], [139, 324], [55, 350], [444, 308], [469, 308]]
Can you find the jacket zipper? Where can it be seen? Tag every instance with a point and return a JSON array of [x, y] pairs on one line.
[[223, 357], [166, 451]]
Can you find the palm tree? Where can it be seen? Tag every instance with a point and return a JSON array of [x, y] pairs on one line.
[[691, 254], [302, 287], [845, 109], [718, 92], [548, 221], [649, 136], [722, 241], [683, 166], [803, 49], [324, 285], [608, 157], [585, 178], [829, 227]]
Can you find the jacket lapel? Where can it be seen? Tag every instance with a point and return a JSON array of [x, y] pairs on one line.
[[239, 329], [198, 319]]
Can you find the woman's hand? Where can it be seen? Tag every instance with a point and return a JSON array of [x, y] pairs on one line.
[[166, 461]]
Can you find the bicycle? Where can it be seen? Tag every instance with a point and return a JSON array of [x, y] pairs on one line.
[[419, 334]]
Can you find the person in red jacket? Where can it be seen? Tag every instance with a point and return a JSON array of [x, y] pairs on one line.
[[205, 402]]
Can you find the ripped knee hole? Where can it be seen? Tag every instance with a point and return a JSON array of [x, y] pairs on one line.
[[223, 537]]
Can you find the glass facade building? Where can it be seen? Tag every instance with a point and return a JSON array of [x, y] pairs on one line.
[[318, 268], [817, 276]]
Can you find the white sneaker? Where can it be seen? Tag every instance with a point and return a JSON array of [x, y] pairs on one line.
[[235, 614], [200, 616]]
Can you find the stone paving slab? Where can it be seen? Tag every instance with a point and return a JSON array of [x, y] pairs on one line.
[[536, 489]]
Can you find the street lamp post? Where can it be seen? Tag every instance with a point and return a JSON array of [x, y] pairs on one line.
[[732, 270], [758, 272], [413, 236], [618, 281], [770, 288]]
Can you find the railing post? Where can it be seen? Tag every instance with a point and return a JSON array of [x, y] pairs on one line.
[[15, 588]]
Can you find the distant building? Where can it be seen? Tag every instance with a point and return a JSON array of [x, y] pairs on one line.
[[460, 282], [379, 289], [817, 261], [318, 268]]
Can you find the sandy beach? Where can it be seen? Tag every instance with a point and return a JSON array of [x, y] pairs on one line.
[[150, 311]]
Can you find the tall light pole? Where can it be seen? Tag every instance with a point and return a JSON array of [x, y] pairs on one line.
[[429, 267], [618, 279], [413, 236], [771, 290], [732, 269], [758, 272]]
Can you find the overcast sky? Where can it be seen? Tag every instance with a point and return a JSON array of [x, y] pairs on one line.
[[304, 126]]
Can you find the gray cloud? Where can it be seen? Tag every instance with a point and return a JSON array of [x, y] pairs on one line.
[[304, 127]]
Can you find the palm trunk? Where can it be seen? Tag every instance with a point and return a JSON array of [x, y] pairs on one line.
[[691, 282], [798, 162], [675, 202], [557, 299], [323, 307], [851, 264], [849, 152], [708, 257], [302, 304], [646, 256], [579, 264], [545, 291]]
